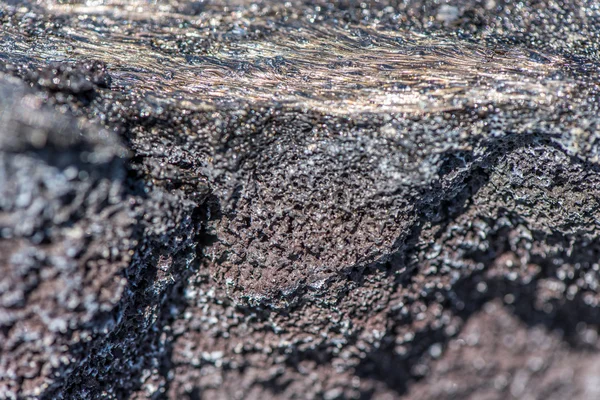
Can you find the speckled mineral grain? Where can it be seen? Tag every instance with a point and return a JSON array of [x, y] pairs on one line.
[[299, 200]]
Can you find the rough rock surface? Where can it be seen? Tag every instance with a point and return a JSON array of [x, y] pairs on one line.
[[299, 199]]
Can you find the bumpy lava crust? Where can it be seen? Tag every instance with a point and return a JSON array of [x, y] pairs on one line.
[[300, 199]]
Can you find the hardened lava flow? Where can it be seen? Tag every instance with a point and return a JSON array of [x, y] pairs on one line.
[[299, 200]]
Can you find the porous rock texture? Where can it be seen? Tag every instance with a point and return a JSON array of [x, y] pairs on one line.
[[250, 200]]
